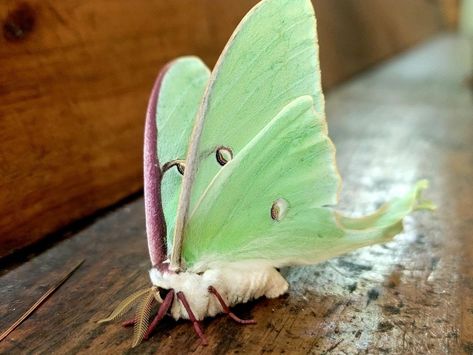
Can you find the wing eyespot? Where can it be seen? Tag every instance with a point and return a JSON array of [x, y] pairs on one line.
[[223, 155], [279, 209], [179, 164]]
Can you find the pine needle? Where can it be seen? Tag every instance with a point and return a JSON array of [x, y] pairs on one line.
[[142, 317], [39, 302], [125, 305]]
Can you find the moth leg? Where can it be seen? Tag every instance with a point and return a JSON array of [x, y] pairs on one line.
[[195, 322], [129, 323], [163, 309], [227, 310]]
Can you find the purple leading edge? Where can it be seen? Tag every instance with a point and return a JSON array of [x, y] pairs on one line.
[[155, 223]]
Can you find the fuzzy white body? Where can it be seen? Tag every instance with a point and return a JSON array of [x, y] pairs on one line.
[[237, 282]]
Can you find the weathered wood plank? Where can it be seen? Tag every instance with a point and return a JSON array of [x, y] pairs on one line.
[[409, 119], [75, 77]]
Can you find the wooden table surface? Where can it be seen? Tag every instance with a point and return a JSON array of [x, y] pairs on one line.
[[410, 118]]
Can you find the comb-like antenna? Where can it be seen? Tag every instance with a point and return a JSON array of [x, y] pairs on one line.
[[155, 224]]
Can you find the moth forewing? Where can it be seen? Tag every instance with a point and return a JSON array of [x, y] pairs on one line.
[[270, 60], [172, 109]]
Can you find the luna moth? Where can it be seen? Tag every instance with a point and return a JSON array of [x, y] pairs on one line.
[[240, 176]]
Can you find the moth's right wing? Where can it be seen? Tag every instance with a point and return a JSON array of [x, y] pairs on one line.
[[268, 202], [270, 60], [272, 202]]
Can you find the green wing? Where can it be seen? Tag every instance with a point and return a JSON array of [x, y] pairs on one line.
[[290, 160], [270, 60], [179, 98], [264, 106]]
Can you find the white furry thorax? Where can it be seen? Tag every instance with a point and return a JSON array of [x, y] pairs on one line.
[[237, 282]]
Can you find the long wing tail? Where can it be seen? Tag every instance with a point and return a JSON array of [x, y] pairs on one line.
[[386, 222]]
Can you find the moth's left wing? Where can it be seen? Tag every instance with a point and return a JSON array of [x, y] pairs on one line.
[[270, 202], [172, 108], [181, 93]]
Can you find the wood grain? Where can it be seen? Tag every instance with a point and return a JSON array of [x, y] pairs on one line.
[[406, 120], [75, 77]]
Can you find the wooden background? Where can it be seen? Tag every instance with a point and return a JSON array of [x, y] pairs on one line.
[[75, 76]]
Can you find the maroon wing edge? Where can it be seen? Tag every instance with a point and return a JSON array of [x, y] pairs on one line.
[[155, 223]]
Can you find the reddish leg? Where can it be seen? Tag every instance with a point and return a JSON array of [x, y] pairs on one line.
[[129, 323], [194, 321], [163, 309], [227, 310]]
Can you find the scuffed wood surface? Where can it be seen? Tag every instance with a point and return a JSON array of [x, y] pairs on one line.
[[75, 77], [409, 119]]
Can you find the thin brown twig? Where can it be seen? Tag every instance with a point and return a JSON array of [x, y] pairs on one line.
[[39, 302]]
